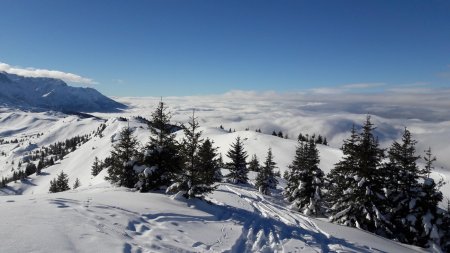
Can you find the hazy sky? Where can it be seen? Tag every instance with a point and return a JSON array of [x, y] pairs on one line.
[[164, 47]]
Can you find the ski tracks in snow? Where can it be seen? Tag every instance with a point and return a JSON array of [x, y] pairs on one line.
[[252, 223]]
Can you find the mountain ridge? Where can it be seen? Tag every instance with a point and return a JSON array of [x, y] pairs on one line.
[[52, 94]]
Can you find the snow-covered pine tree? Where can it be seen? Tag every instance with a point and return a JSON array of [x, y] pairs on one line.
[[238, 165], [96, 167], [413, 197], [62, 182], [265, 180], [76, 184], [209, 166], [426, 209], [161, 155], [189, 179], [355, 193], [30, 169], [53, 187], [305, 180], [445, 229], [401, 181], [123, 155], [254, 165]]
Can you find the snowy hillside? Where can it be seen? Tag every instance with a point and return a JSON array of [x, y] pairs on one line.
[[48, 93], [98, 217]]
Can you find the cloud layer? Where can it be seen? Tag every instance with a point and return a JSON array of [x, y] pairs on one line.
[[33, 72]]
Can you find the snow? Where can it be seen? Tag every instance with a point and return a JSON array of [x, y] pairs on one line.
[[108, 219], [98, 217]]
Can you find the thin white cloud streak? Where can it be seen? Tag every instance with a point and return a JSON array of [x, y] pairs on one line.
[[363, 85], [33, 72]]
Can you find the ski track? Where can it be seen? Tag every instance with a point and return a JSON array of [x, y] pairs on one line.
[[268, 228]]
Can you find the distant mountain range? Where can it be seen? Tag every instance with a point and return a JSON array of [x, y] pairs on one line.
[[53, 94]]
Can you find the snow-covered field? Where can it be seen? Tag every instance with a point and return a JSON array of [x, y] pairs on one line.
[[98, 217]]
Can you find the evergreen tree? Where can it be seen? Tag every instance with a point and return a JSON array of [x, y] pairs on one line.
[[254, 165], [121, 170], [96, 167], [356, 189], [280, 134], [238, 165], [265, 180], [161, 153], [319, 139], [401, 179], [209, 166], [53, 186], [220, 162], [189, 178], [40, 166], [413, 197], [445, 229], [51, 162], [30, 169], [429, 159], [76, 184], [305, 180], [60, 183]]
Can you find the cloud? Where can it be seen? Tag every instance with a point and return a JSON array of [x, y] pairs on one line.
[[326, 90], [33, 72], [362, 85]]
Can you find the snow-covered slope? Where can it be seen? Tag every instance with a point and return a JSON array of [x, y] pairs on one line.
[[98, 217], [54, 94], [114, 220]]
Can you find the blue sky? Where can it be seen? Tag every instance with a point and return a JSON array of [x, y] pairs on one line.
[[166, 47]]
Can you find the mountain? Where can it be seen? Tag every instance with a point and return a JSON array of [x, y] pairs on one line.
[[54, 94]]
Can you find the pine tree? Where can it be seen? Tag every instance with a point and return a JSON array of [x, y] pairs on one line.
[[189, 178], [161, 153], [254, 165], [96, 167], [238, 165], [280, 134], [40, 166], [60, 183], [356, 189], [429, 159], [53, 186], [220, 162], [121, 170], [413, 197], [51, 162], [319, 139], [305, 180], [429, 216], [265, 180], [209, 166], [30, 169], [76, 184], [401, 177], [445, 229]]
